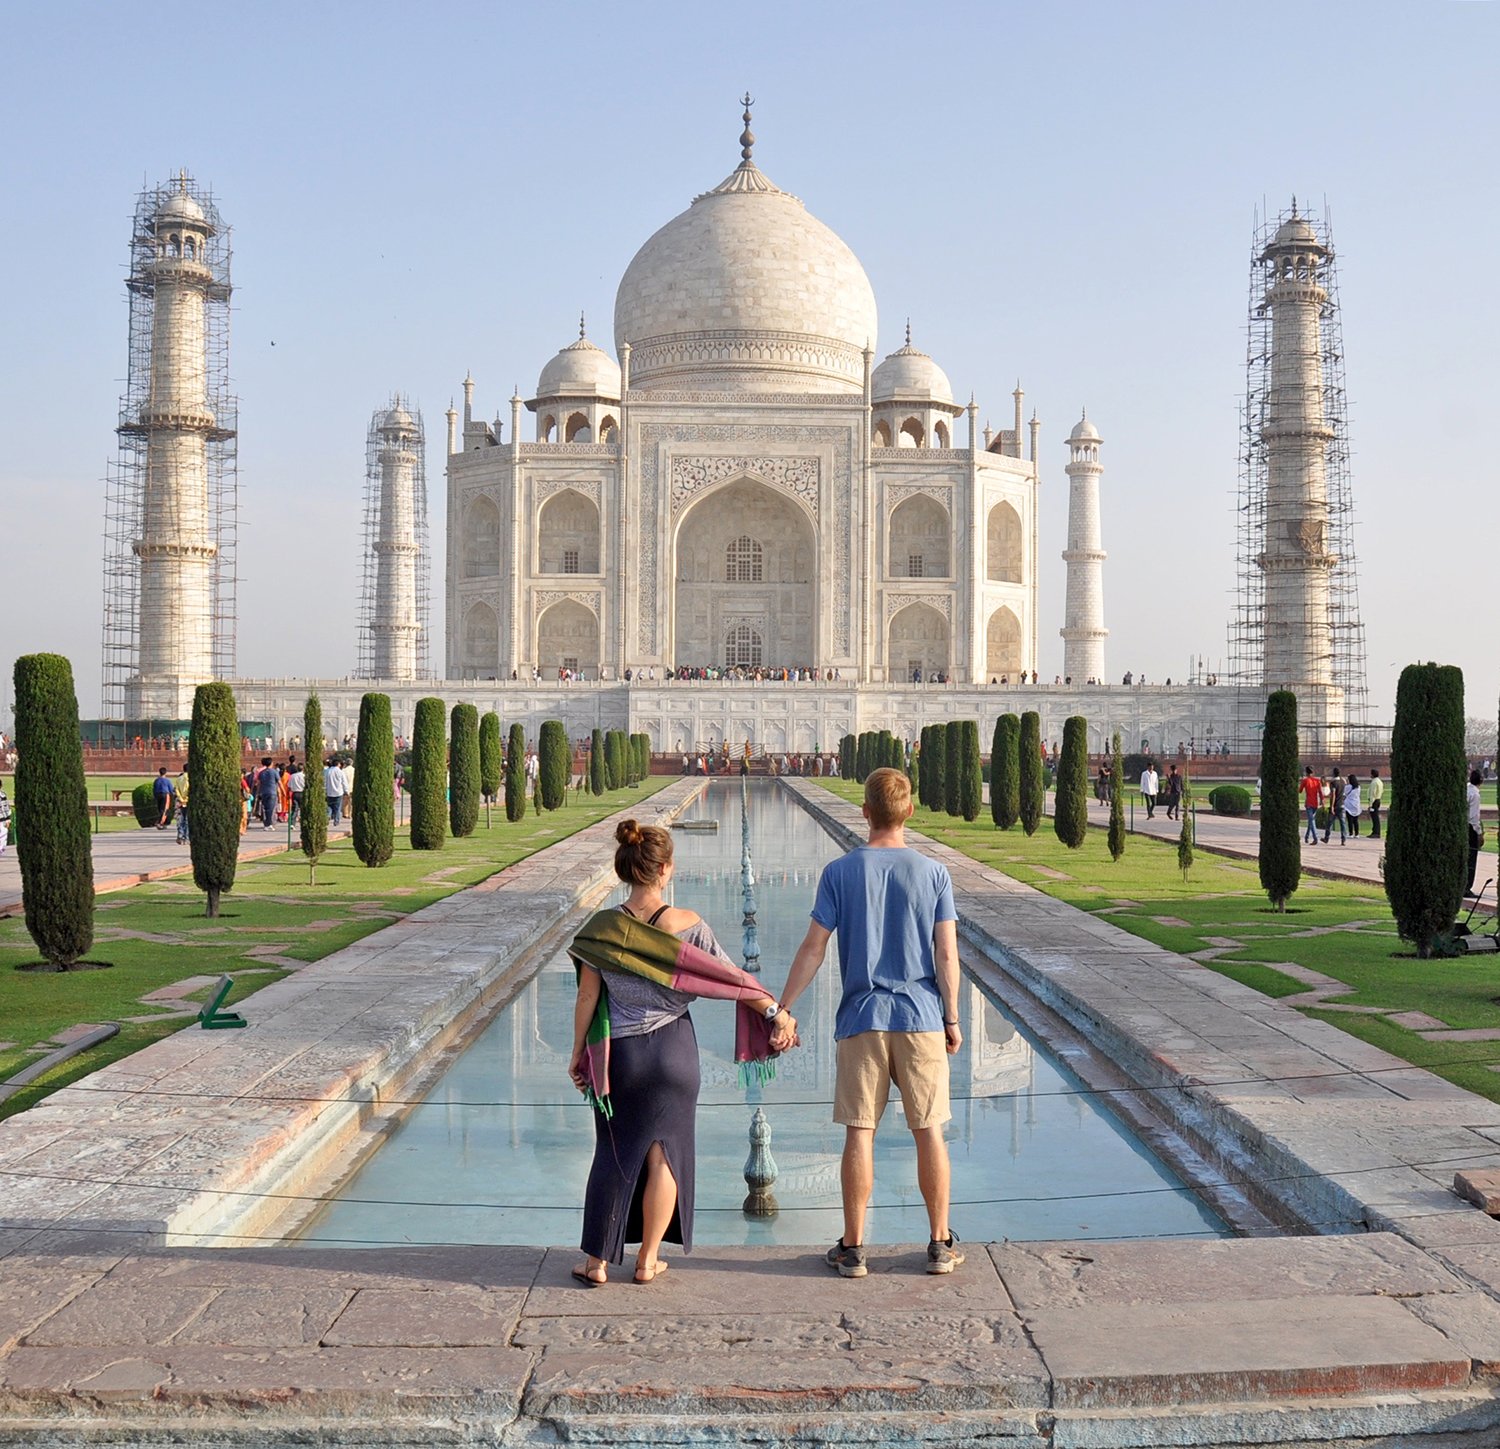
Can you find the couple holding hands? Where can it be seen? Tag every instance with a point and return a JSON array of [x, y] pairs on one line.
[[635, 1056]]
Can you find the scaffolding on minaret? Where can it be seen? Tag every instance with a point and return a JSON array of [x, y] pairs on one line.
[[145, 416], [395, 602], [1337, 638]]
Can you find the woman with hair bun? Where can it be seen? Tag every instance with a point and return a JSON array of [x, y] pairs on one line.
[[635, 1056]]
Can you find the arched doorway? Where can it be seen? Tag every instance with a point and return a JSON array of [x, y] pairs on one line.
[[917, 639], [481, 540], [481, 646], [745, 565], [919, 539], [1003, 545], [568, 535], [567, 636], [1003, 645]]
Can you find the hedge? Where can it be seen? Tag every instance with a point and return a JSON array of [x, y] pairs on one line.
[[1229, 800], [51, 824], [846, 758], [143, 804], [555, 763], [1280, 805], [213, 765], [428, 780], [463, 771], [1427, 843], [374, 782]]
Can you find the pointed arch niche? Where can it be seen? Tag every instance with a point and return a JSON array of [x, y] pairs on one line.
[[1003, 645], [567, 634], [568, 535], [917, 637], [481, 642], [481, 540], [920, 535], [1003, 546]]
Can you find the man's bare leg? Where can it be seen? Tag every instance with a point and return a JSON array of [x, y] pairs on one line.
[[933, 1177], [857, 1177]]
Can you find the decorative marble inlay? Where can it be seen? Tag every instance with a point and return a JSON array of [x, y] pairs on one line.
[[543, 599], [896, 493], [943, 603], [545, 488], [797, 476]]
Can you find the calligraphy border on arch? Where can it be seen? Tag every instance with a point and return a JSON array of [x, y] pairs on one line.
[[943, 603], [898, 493], [543, 599], [691, 475]]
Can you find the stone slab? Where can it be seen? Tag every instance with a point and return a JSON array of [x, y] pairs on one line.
[[435, 1317], [1082, 1274], [265, 1318], [1480, 1186], [1471, 1321], [122, 1316], [1122, 1355], [744, 1333]]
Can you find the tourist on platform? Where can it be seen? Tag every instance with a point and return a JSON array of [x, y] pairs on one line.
[[892, 910], [635, 1055], [1312, 797], [1377, 796]]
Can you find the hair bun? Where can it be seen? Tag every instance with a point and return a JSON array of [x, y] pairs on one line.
[[628, 832]]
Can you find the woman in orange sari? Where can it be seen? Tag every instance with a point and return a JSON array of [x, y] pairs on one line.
[[284, 792]]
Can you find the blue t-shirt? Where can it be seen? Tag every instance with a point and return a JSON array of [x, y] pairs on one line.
[[161, 786], [884, 902]]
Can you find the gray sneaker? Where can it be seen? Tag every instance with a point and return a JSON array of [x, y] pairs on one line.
[[850, 1262], [943, 1256]]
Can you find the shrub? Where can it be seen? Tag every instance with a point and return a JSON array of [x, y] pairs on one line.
[[374, 782], [1005, 771], [1280, 818], [143, 805], [1229, 800], [491, 760], [213, 765], [428, 780], [51, 822], [463, 771], [1033, 790], [1135, 764], [596, 763], [970, 779], [555, 763], [846, 757], [953, 756], [1117, 805], [1426, 850], [515, 773], [314, 821], [1070, 805]]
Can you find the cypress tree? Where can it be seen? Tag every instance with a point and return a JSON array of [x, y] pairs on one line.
[[846, 757], [885, 748], [428, 776], [491, 760], [463, 771], [1005, 771], [515, 773], [953, 754], [971, 772], [614, 760], [374, 782], [1070, 807], [938, 777], [1280, 825], [213, 765], [596, 763], [314, 820], [555, 762], [1185, 833], [51, 823], [1426, 848], [1033, 791], [642, 756], [861, 753], [1117, 804]]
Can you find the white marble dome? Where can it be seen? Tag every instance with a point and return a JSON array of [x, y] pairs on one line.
[[180, 207], [746, 292], [911, 376], [580, 370], [1084, 432]]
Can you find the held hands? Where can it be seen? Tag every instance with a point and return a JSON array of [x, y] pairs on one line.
[[784, 1032]]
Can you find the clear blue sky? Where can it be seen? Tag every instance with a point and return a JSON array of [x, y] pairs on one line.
[[1060, 192]]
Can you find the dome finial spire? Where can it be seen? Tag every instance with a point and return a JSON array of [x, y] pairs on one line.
[[747, 136], [580, 324], [908, 331]]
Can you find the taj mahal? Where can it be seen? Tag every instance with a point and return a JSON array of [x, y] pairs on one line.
[[742, 523]]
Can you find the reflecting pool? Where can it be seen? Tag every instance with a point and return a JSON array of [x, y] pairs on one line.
[[499, 1150]]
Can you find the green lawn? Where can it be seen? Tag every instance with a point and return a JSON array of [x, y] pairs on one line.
[[156, 934], [1342, 929]]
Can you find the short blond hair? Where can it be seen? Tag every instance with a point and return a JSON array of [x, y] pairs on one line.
[[887, 798]]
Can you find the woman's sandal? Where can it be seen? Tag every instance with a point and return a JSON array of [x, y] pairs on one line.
[[653, 1275], [586, 1276]]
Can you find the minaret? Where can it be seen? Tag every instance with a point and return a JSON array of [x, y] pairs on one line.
[[171, 445], [395, 530], [1295, 558], [1084, 632]]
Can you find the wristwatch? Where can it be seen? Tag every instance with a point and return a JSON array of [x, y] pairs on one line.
[[774, 1010]]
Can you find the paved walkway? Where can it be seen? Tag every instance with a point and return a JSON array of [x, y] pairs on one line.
[[124, 858], [1357, 859], [1384, 1332]]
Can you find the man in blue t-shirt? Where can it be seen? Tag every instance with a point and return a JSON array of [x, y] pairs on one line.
[[161, 790], [892, 908]]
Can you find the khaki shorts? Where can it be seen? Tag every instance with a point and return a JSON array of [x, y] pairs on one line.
[[916, 1061]]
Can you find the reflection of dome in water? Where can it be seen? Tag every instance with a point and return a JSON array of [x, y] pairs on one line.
[[745, 291]]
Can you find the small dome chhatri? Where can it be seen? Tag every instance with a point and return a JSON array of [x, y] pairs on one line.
[[580, 370], [746, 292], [908, 375], [1084, 431]]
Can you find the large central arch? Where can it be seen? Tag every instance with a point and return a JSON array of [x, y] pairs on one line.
[[745, 563]]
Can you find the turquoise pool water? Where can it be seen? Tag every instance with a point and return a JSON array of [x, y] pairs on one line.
[[500, 1149]]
